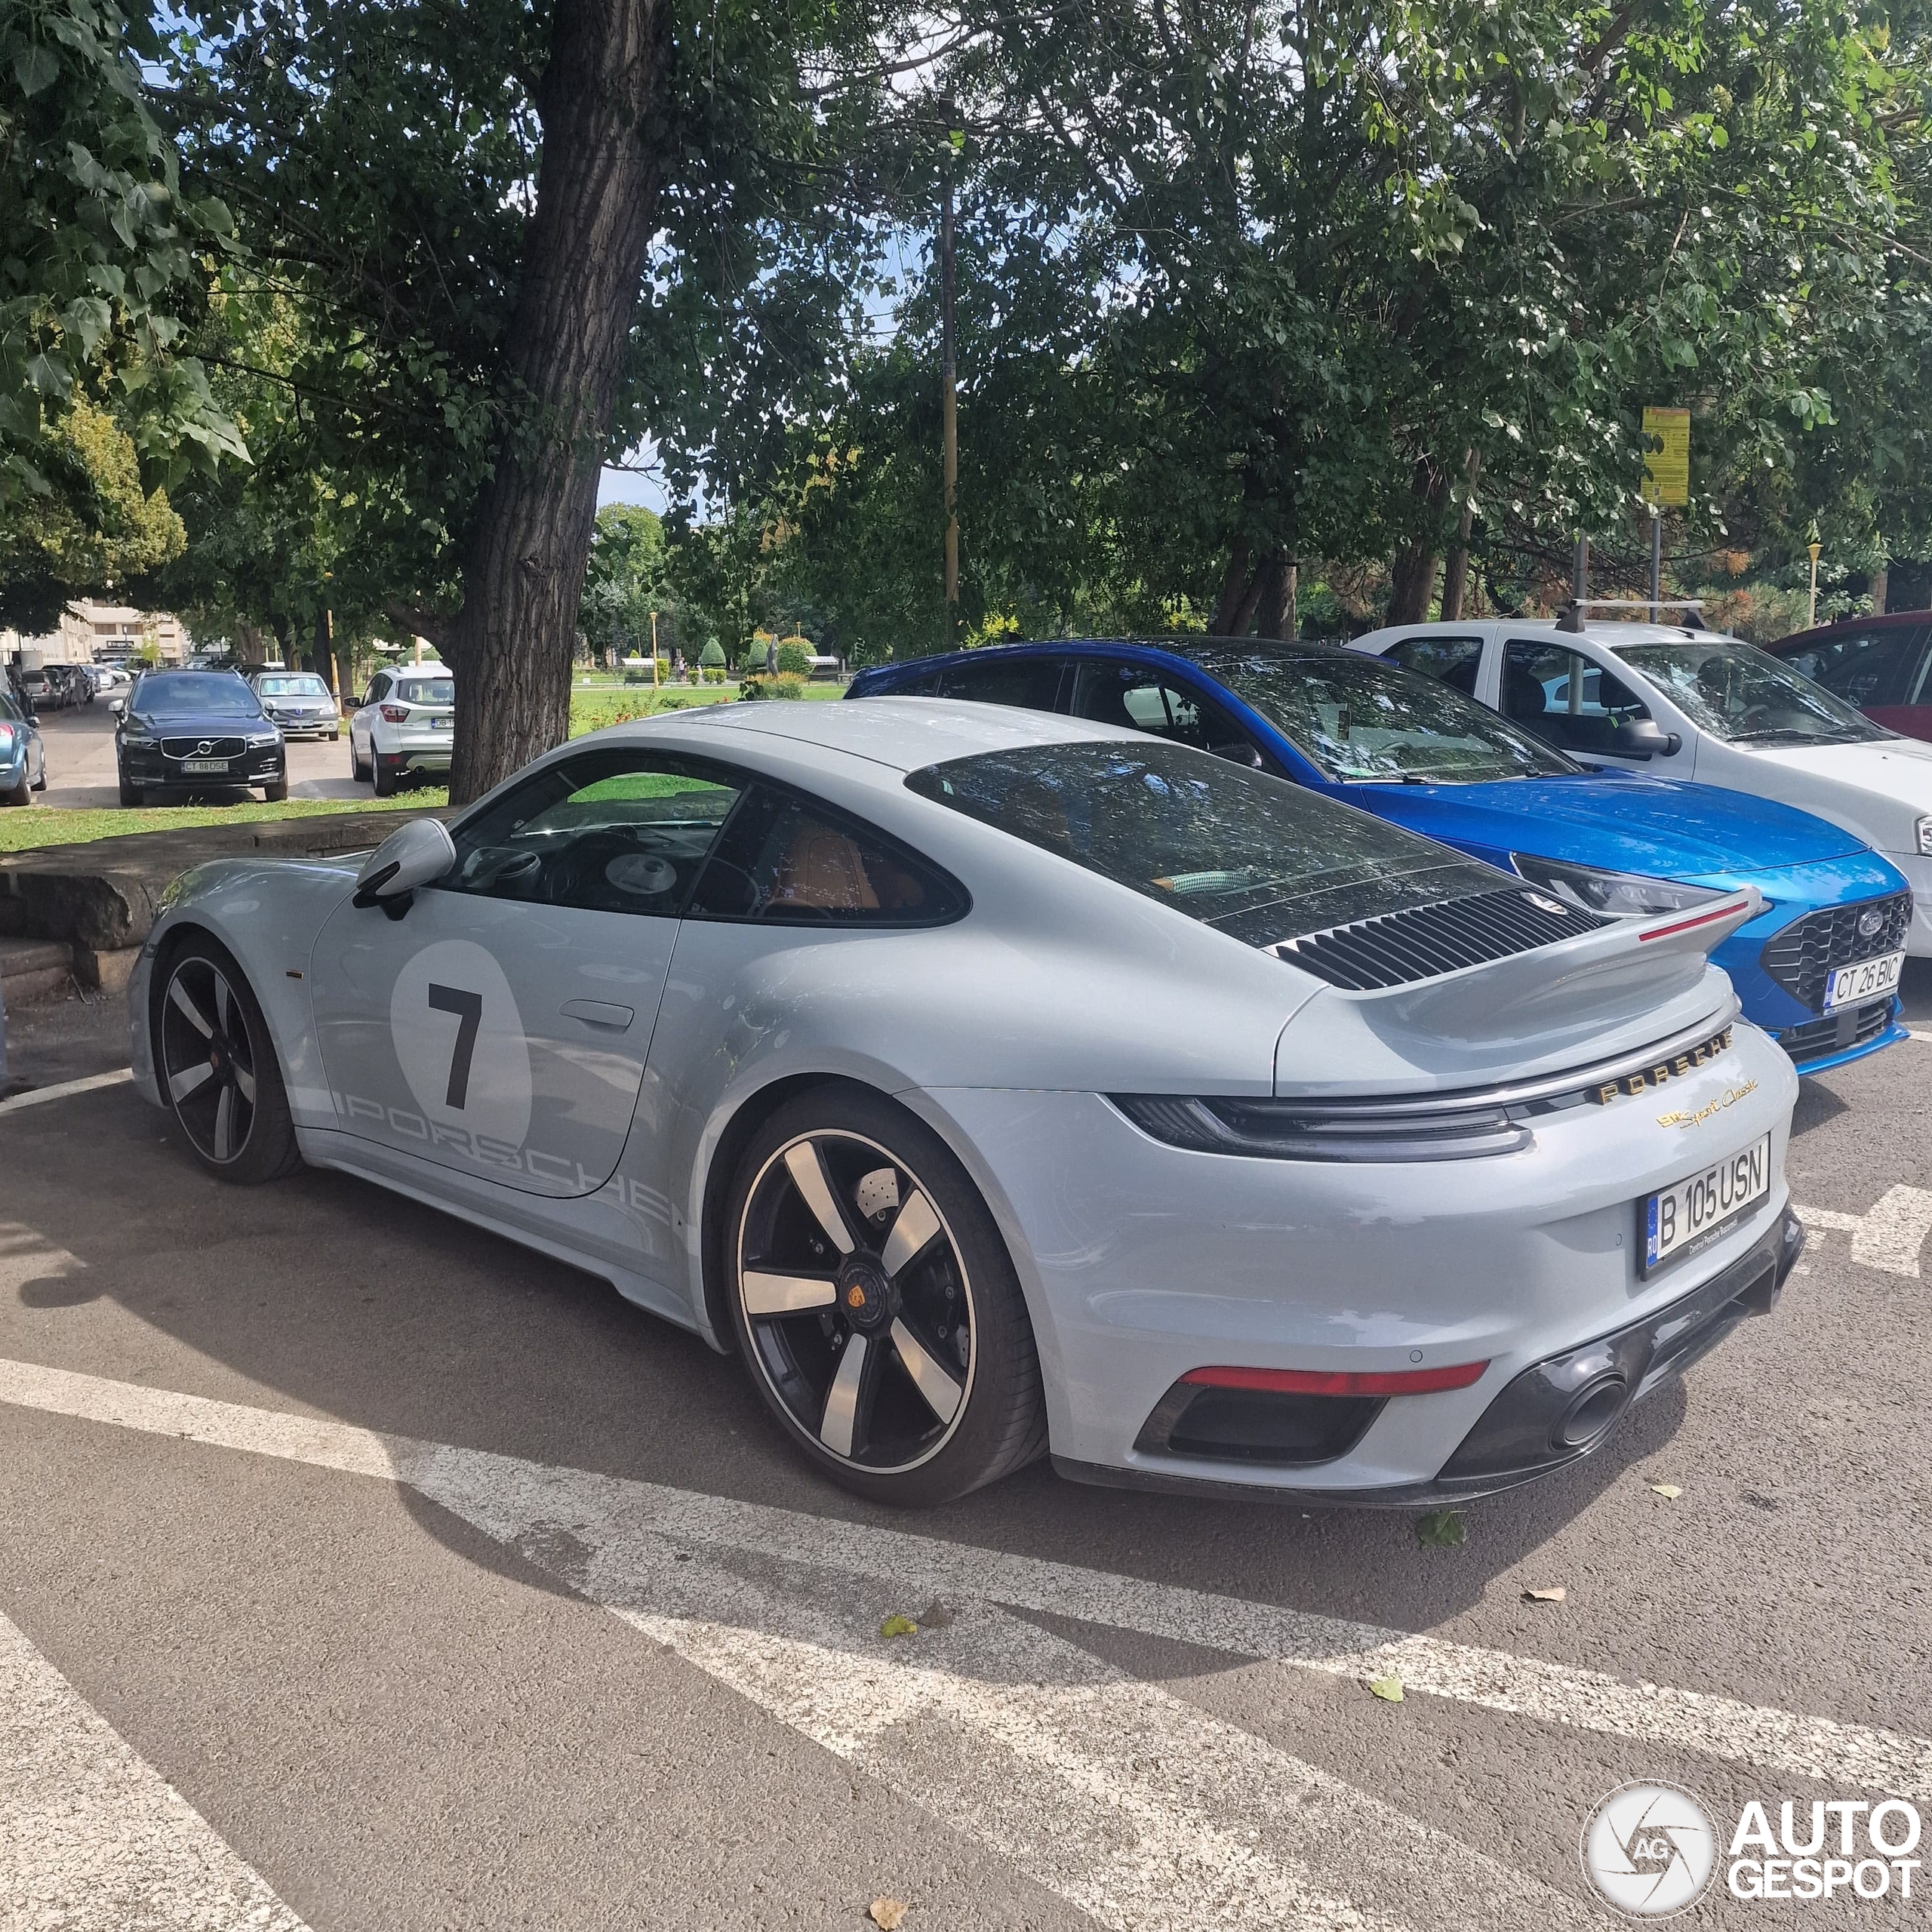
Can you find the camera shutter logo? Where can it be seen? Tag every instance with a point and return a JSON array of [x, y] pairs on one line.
[[1649, 1850]]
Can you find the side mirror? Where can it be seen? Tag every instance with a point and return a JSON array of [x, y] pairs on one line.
[[1644, 737], [1240, 752], [421, 853], [119, 707]]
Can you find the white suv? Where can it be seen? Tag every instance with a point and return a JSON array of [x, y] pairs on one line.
[[406, 723]]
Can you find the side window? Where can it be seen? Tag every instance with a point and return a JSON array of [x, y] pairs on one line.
[[1454, 661], [379, 689], [1865, 667], [791, 860], [1569, 700], [1112, 693], [1031, 684], [605, 831]]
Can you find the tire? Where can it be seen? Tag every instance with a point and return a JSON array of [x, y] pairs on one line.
[[275, 794], [131, 794], [18, 795], [943, 1394], [333, 736], [385, 781], [357, 771], [217, 1067]]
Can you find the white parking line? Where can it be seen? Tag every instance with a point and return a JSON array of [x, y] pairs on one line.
[[544, 1511], [92, 1839], [1888, 1236], [37, 1096]]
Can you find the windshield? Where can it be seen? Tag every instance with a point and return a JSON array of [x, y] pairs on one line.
[[1356, 719], [1736, 692], [299, 685], [203, 693], [1262, 860], [427, 690]]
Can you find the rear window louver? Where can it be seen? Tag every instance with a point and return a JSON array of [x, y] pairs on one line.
[[1428, 941]]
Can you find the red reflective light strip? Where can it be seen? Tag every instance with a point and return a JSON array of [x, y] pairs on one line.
[[1685, 925], [397, 714], [1340, 1381]]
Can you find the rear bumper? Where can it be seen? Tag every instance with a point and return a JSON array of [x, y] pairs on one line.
[[1556, 1411]]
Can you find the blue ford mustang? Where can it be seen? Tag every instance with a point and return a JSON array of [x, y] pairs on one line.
[[1412, 750]]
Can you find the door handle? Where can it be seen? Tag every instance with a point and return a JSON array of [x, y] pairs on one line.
[[598, 1013]]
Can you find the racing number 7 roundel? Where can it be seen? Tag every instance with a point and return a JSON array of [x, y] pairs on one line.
[[460, 1043]]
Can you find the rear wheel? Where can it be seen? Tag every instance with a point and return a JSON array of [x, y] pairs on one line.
[[18, 795], [875, 1303], [217, 1068], [384, 775]]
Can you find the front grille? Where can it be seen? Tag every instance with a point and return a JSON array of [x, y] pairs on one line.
[[204, 747], [1804, 955], [1837, 1032], [1427, 940]]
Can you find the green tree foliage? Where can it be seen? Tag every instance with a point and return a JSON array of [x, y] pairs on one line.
[[626, 580], [60, 544], [104, 260], [1243, 285]]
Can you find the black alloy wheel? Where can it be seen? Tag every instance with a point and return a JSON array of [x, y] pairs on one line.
[[876, 1305], [217, 1068]]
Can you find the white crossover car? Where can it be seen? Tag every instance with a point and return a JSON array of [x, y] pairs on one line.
[[1679, 703], [994, 1082], [404, 726]]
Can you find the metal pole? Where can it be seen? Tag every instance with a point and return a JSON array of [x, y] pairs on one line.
[[1811, 613], [1657, 559], [654, 650], [1572, 619], [949, 393]]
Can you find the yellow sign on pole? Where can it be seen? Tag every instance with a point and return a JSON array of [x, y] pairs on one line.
[[1667, 471]]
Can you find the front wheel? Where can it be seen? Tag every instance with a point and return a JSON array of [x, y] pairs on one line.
[[218, 1069], [876, 1305], [275, 794]]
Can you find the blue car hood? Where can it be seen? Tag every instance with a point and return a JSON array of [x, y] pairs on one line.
[[1661, 827]]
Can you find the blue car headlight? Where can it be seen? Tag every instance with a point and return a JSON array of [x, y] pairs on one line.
[[1622, 895]]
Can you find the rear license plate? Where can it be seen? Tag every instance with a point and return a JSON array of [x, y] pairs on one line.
[[1679, 1218], [1851, 985], [203, 768]]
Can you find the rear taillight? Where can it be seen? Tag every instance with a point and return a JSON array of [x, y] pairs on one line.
[[6, 741], [397, 714], [1336, 1381]]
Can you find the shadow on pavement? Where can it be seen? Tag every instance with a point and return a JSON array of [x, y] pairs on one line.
[[326, 1293]]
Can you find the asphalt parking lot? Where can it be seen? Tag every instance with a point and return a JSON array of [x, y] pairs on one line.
[[359, 1570]]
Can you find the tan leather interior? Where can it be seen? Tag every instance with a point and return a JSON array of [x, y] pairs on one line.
[[822, 867]]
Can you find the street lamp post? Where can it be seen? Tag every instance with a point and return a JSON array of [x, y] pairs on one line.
[[1811, 612]]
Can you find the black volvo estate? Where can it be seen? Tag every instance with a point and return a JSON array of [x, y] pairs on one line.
[[183, 731]]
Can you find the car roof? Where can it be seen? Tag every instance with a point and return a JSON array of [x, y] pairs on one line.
[[1602, 632], [903, 733], [1819, 633]]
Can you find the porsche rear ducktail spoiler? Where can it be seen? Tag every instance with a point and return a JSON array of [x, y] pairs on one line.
[[1606, 991]]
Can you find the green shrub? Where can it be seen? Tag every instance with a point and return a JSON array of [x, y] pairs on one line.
[[788, 683], [711, 657], [714, 674], [795, 658]]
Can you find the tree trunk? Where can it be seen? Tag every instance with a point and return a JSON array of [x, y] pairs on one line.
[[1270, 603], [597, 192], [1413, 585], [1235, 587], [321, 654], [1456, 575], [1878, 590]]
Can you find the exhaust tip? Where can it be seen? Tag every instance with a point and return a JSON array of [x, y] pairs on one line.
[[1589, 1416]]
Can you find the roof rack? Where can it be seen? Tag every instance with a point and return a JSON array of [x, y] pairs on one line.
[[1572, 619]]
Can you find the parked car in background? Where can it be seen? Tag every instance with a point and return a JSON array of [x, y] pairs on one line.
[[69, 686], [110, 677], [1882, 665], [1400, 746], [404, 727], [1682, 703], [182, 731], [299, 702], [23, 755]]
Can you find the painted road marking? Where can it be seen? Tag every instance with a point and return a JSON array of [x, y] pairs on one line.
[[540, 1508], [67, 1087], [1888, 1235], [92, 1838]]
